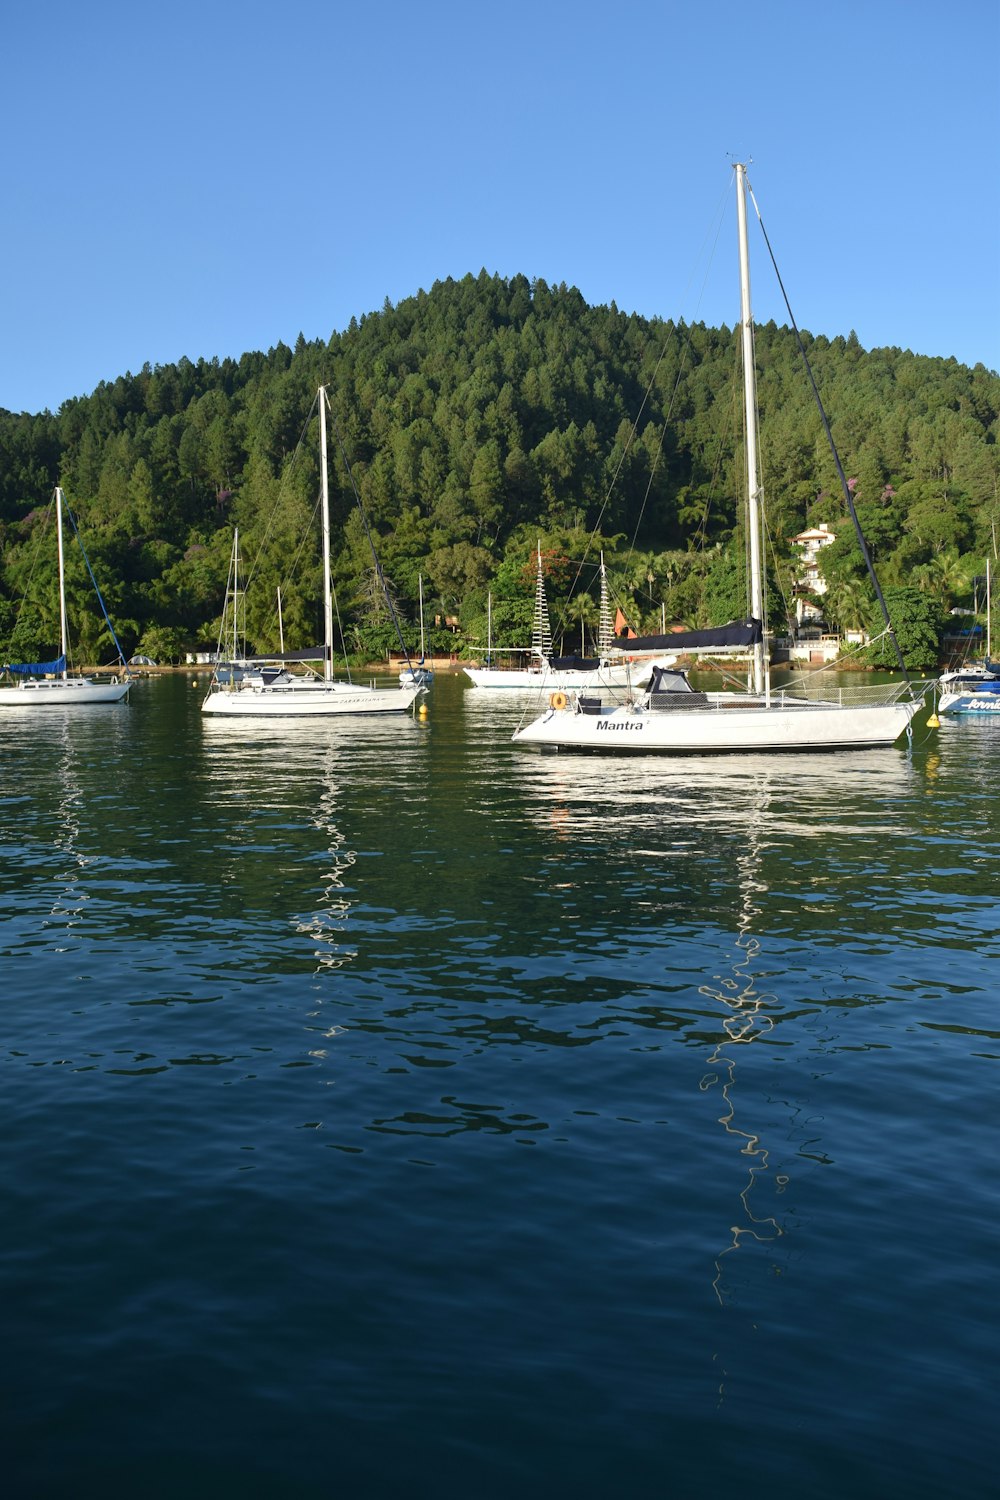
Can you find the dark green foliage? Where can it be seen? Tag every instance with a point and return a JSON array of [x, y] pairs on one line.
[[917, 624], [475, 418]]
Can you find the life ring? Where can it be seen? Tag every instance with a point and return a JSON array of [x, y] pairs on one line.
[[557, 700]]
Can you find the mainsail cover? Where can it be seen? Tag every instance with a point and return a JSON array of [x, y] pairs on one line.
[[37, 668], [737, 635]]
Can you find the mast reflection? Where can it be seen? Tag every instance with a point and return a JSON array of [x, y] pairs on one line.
[[326, 923], [284, 781], [746, 1018], [69, 902]]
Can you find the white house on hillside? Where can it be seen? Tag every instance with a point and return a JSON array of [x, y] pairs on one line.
[[810, 580]]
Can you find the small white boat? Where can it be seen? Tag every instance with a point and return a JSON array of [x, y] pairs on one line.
[[546, 674], [259, 687], [49, 684]]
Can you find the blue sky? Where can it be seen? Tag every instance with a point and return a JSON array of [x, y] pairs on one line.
[[206, 178]]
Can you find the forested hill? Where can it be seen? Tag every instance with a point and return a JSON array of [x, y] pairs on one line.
[[477, 417]]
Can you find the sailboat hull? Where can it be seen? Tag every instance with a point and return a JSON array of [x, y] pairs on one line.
[[720, 728], [61, 693], [244, 701]]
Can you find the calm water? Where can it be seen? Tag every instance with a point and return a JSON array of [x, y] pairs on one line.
[[390, 1112]]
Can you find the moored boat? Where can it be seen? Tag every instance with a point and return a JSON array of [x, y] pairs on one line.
[[260, 686], [669, 716], [50, 684], [973, 690], [542, 671]]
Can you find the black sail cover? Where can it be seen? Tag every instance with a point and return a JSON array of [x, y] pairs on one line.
[[310, 653], [739, 633]]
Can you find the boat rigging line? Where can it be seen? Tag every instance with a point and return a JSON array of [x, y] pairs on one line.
[[364, 521], [848, 497], [100, 596]]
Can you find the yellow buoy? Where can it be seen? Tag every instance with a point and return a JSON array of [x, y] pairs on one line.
[[422, 710], [933, 722]]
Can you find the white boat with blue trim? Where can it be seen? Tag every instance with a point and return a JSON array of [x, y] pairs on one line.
[[50, 684], [973, 691]]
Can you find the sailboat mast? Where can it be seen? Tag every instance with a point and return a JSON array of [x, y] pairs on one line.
[[420, 589], [327, 588], [236, 593], [62, 580], [989, 639], [761, 681]]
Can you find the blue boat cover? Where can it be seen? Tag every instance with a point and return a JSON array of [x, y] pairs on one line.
[[37, 668]]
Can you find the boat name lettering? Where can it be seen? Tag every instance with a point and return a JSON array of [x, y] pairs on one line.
[[620, 724]]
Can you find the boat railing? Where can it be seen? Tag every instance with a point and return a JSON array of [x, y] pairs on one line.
[[863, 695], [801, 696]]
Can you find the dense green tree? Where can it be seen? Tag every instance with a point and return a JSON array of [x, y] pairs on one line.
[[484, 413], [917, 625]]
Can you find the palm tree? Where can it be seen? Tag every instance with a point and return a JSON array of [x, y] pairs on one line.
[[847, 601], [582, 608], [945, 576]]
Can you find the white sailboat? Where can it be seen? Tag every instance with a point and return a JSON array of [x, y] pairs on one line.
[[416, 674], [545, 672], [262, 687], [670, 717], [49, 684]]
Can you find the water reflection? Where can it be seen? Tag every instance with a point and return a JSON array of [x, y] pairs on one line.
[[59, 773], [734, 857], [747, 1015], [276, 781], [720, 818], [804, 791], [328, 920], [68, 904]]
